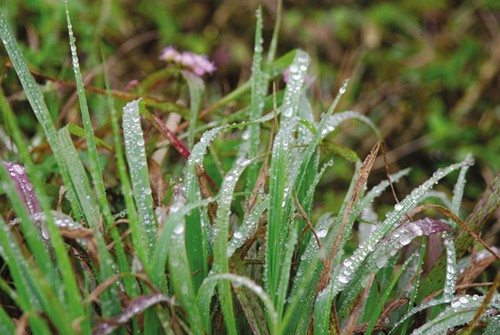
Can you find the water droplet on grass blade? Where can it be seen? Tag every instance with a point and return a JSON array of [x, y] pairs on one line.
[[322, 232]]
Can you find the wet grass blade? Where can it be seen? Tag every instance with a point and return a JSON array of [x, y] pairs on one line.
[[79, 182], [276, 224], [71, 292], [221, 260], [143, 232], [484, 208], [136, 307], [461, 311], [258, 94], [180, 274], [197, 222], [35, 294], [196, 91], [86, 199], [37, 103], [385, 296], [126, 189], [416, 284], [393, 218]]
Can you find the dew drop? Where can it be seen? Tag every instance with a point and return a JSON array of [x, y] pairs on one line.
[[405, 239], [288, 112], [322, 232], [179, 229], [380, 262], [343, 279]]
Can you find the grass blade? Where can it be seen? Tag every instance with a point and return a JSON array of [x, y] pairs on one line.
[[143, 234], [180, 274], [385, 296], [37, 103], [277, 183], [258, 94], [221, 260], [382, 229], [196, 90], [460, 312], [79, 182]]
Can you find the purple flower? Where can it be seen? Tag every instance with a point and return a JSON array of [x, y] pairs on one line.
[[198, 64], [169, 54]]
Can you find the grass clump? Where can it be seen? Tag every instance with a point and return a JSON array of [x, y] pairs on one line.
[[236, 246]]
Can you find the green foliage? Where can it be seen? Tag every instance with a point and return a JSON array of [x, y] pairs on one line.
[[239, 243]]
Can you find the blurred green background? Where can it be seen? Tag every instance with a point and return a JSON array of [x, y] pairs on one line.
[[426, 72]]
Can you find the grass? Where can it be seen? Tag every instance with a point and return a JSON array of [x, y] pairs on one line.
[[237, 245]]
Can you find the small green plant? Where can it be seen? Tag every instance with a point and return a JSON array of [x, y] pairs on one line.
[[240, 256]]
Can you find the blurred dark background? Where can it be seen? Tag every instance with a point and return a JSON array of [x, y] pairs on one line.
[[426, 72]]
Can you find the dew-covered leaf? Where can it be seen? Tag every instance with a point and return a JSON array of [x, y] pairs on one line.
[[332, 121], [385, 296], [211, 281], [461, 311], [381, 254], [145, 233], [181, 279], [346, 273], [196, 90], [135, 307], [221, 231], [177, 211], [79, 182], [258, 93], [298, 71], [24, 186], [197, 222], [248, 227], [277, 226]]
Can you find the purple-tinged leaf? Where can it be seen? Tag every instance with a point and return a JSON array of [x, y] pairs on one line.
[[431, 226], [23, 184], [403, 235], [137, 306]]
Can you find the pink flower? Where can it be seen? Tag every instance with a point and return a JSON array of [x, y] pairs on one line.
[[198, 64], [169, 54]]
